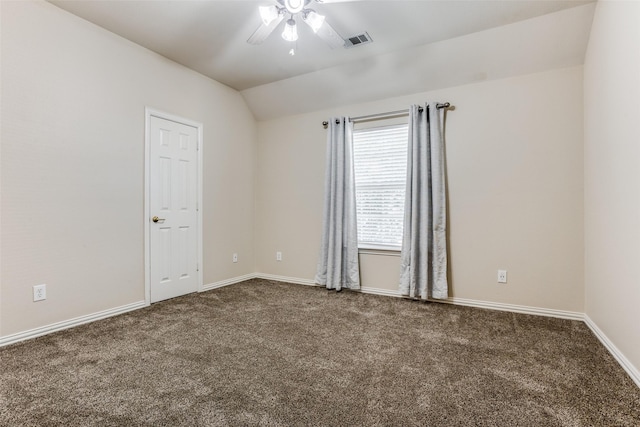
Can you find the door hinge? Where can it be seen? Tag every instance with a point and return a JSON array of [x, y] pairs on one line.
[[197, 267]]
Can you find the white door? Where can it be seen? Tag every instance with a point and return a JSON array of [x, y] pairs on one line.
[[173, 233]]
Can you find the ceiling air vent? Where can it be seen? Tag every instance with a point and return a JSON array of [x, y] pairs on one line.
[[357, 40]]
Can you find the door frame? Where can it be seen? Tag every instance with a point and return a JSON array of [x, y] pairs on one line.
[[148, 113]]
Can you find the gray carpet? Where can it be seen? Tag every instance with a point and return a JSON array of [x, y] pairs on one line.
[[268, 353]]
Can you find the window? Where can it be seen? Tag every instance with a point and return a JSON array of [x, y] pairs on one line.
[[380, 163]]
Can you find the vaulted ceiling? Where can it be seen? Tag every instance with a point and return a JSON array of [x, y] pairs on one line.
[[417, 45]]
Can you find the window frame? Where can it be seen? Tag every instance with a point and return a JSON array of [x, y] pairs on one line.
[[371, 125]]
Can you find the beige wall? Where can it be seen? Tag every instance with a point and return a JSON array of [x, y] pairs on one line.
[[612, 175], [73, 101], [515, 177]]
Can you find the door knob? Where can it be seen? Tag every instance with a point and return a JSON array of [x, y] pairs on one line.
[[156, 219]]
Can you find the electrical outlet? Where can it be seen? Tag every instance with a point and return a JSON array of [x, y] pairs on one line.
[[502, 276], [235, 257], [39, 292], [278, 256]]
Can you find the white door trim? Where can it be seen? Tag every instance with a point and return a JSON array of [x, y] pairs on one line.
[[148, 113]]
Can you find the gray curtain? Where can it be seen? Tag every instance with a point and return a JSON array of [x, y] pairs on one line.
[[423, 265], [338, 265]]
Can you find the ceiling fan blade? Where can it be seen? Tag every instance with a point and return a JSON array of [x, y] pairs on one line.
[[264, 31], [330, 36]]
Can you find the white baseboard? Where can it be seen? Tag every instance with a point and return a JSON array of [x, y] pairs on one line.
[[620, 358], [66, 324], [227, 282], [538, 311], [309, 282], [572, 315], [378, 291], [295, 280], [514, 308]]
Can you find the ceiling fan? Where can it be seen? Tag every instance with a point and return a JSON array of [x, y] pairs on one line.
[[273, 15]]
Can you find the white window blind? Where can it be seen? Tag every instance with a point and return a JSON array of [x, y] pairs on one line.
[[380, 163]]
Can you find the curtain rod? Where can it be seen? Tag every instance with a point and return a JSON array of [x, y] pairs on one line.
[[383, 115]]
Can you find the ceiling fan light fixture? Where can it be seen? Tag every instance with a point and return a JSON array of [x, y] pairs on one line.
[[294, 6], [268, 14], [290, 32], [314, 20]]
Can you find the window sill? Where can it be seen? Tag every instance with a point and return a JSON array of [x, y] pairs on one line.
[[379, 250]]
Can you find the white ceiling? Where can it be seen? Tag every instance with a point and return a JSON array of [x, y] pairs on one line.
[[418, 45]]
